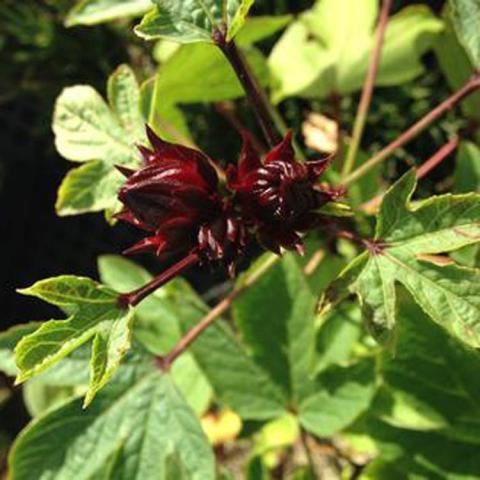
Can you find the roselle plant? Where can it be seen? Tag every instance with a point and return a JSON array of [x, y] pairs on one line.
[[346, 345]]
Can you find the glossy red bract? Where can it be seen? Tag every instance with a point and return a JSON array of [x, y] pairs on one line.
[[175, 197], [279, 196]]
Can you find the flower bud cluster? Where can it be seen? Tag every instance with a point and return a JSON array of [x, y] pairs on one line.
[[176, 197]]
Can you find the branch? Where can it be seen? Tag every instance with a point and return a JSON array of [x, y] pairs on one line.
[[166, 362], [368, 87], [433, 162], [470, 87]]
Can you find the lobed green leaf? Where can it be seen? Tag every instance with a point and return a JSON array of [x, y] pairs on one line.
[[410, 237], [94, 313]]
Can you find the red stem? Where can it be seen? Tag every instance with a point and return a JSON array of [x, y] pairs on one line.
[[436, 159], [470, 87], [134, 298], [257, 97]]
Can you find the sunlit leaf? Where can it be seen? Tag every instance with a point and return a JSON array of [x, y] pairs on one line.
[[94, 314], [408, 236]]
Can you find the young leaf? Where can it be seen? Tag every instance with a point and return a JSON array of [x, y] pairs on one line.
[[188, 21], [93, 314], [408, 236], [466, 17], [276, 320], [136, 428], [327, 49], [88, 130]]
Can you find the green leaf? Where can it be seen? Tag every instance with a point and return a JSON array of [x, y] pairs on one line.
[[276, 320], [88, 130], [188, 21], [93, 314], [260, 27], [236, 379], [467, 179], [466, 17], [327, 49], [91, 187], [429, 429], [157, 325], [456, 66], [409, 235], [239, 18], [138, 428], [8, 341], [343, 393], [431, 380], [193, 74], [91, 12], [337, 336]]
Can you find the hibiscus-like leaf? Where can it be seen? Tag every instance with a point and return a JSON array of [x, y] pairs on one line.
[[93, 314], [411, 242]]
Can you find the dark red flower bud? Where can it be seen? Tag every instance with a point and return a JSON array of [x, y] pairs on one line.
[[175, 197], [279, 196]]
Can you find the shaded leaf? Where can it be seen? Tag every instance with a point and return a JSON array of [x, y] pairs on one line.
[[276, 321], [236, 379], [343, 393]]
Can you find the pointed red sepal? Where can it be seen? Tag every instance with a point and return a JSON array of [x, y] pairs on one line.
[[316, 168], [125, 171], [146, 245], [283, 151], [249, 158], [147, 154]]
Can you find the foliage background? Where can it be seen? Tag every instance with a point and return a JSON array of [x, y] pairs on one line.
[[41, 57]]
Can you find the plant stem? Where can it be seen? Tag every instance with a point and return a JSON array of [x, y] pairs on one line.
[[438, 157], [368, 87], [256, 95], [167, 361], [134, 298], [308, 453], [470, 87], [421, 172]]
